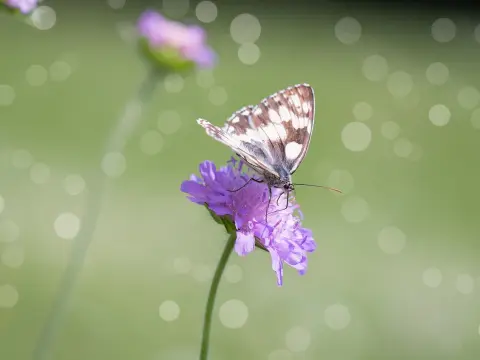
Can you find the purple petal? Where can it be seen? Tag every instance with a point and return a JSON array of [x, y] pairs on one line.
[[220, 209], [193, 188], [244, 244], [204, 56], [197, 35], [277, 266], [25, 6], [208, 171]]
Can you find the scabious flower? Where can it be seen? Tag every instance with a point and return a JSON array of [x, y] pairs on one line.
[[282, 236], [23, 6], [174, 44]]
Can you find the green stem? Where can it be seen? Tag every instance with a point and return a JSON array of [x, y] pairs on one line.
[[207, 321], [117, 139]]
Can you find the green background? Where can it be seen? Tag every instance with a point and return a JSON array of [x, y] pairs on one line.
[[396, 271]]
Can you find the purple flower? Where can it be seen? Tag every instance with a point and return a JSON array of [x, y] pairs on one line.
[[188, 40], [24, 6], [284, 237]]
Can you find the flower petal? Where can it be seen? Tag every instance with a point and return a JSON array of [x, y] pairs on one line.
[[245, 243], [277, 266], [194, 189]]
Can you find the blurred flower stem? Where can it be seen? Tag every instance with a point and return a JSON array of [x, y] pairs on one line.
[[120, 134], [212, 294]]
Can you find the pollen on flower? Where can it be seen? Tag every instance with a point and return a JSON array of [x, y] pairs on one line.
[[282, 236], [174, 43]]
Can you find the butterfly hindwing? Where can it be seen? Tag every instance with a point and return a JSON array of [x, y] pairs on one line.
[[252, 154]]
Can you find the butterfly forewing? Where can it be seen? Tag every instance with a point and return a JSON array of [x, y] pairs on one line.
[[287, 119], [273, 136]]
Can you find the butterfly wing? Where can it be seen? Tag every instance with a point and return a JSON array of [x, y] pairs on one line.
[[272, 136], [247, 149], [286, 119]]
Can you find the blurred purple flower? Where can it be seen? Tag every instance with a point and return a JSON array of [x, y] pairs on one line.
[[284, 237], [188, 40], [24, 6]]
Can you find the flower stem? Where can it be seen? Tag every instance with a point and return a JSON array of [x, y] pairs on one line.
[[207, 321], [117, 139]]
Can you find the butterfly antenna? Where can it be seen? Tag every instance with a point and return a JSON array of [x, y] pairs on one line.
[[321, 186]]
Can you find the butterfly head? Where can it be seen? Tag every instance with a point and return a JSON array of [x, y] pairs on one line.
[[288, 186], [281, 180]]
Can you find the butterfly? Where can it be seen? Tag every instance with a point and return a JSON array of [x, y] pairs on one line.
[[273, 136]]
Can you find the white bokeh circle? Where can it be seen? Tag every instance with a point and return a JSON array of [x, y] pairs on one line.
[[116, 4], [36, 75], [249, 53], [245, 28], [337, 317], [40, 173], [391, 240], [437, 73], [233, 314], [439, 115], [74, 184], [233, 274], [402, 147], [399, 84], [43, 17], [432, 277], [356, 136], [355, 209], [206, 11], [468, 97], [390, 130], [114, 164], [475, 118], [362, 111], [298, 339], [348, 30], [67, 225], [169, 310], [443, 30], [465, 284], [375, 68], [60, 71]]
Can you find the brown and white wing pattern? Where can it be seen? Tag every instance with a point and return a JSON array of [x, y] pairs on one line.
[[272, 137]]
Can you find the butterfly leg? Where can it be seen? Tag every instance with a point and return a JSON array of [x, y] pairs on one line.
[[266, 210], [241, 187], [286, 206], [288, 197], [279, 197]]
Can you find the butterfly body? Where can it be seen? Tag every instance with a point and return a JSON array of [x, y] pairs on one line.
[[272, 137]]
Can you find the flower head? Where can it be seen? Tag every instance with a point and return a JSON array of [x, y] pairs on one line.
[[282, 236], [24, 6], [174, 43]]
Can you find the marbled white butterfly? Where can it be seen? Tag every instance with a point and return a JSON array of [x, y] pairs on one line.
[[272, 137]]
